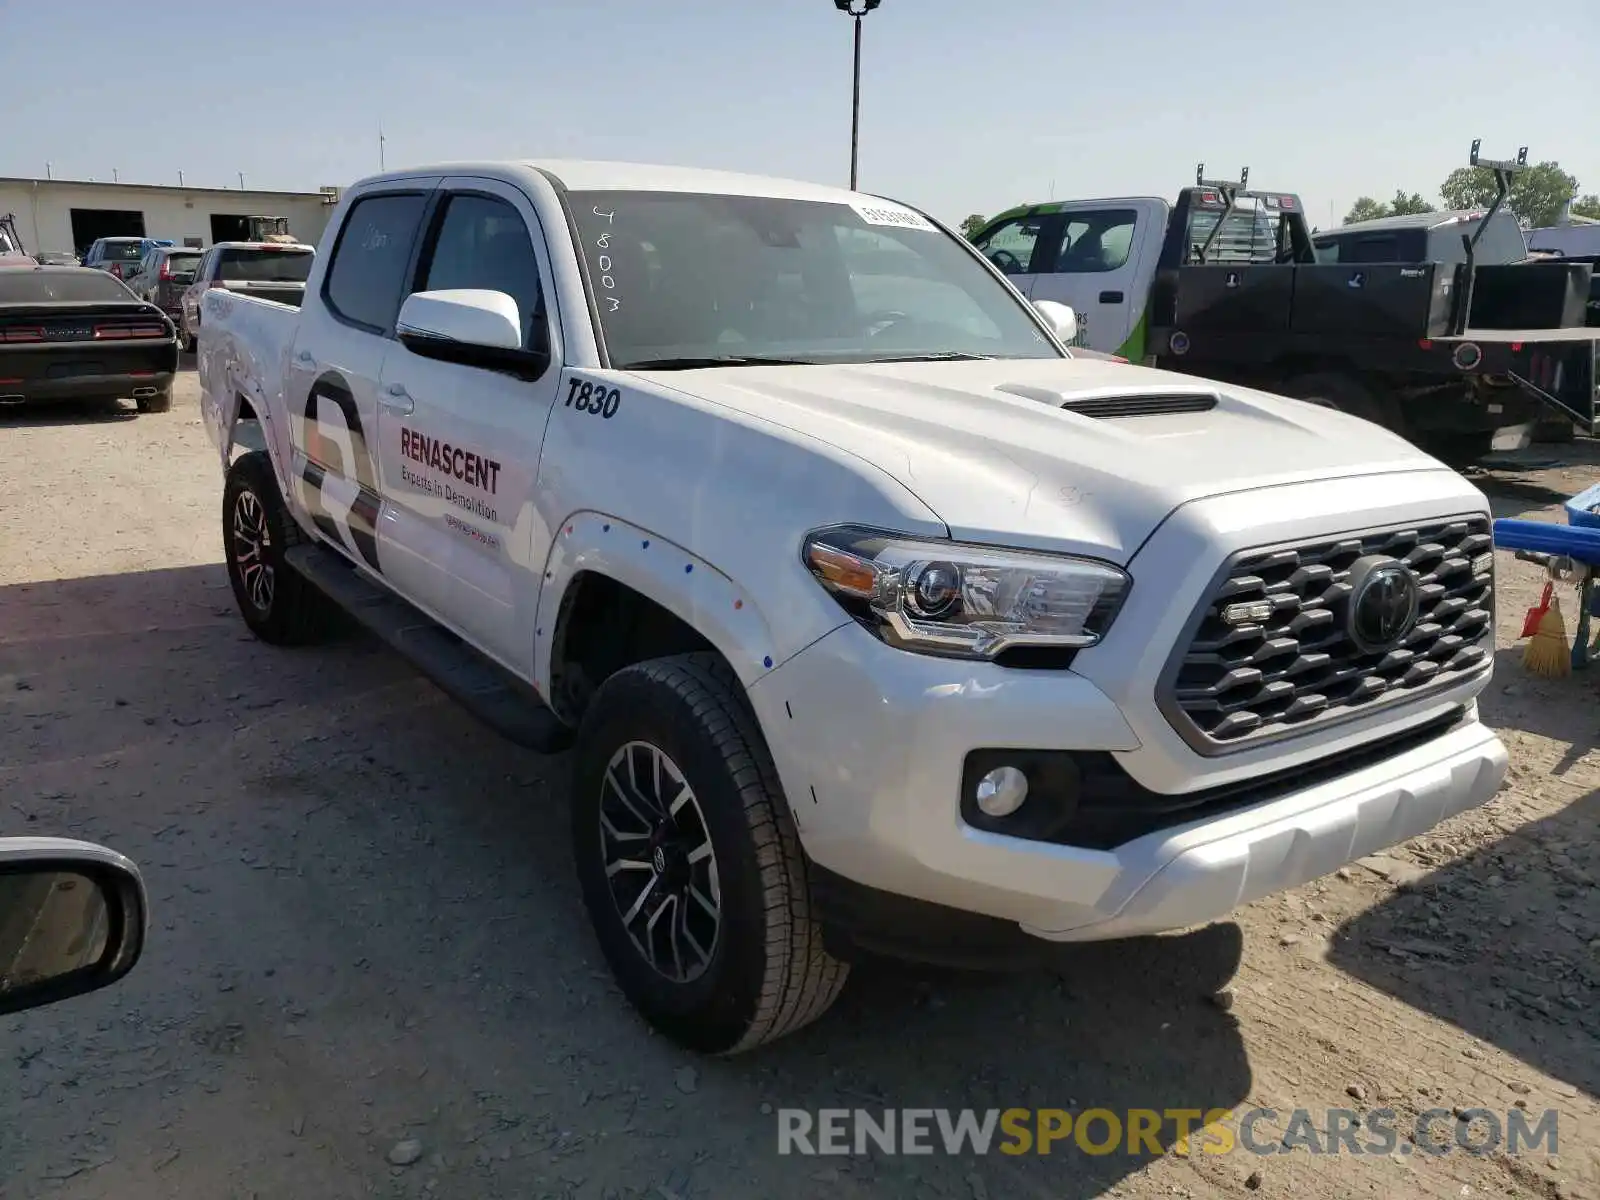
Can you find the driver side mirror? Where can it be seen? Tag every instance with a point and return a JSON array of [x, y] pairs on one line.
[[471, 326], [1062, 320], [72, 920]]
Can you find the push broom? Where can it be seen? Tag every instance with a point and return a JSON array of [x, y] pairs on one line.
[[1547, 653]]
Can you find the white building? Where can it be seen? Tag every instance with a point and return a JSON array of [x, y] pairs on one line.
[[69, 214]]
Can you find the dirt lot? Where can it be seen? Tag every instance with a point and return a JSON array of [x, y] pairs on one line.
[[366, 933]]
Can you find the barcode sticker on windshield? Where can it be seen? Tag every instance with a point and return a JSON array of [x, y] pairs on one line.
[[891, 214]]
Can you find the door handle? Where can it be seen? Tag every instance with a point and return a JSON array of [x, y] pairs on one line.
[[1110, 297], [397, 400]]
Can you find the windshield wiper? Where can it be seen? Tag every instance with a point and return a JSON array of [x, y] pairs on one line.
[[720, 360], [932, 356]]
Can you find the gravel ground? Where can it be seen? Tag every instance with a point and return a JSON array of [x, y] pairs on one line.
[[369, 971]]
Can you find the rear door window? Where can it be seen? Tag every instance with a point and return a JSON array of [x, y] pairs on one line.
[[1373, 248], [1094, 241], [367, 274]]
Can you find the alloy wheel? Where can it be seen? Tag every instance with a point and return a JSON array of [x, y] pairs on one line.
[[251, 540], [660, 865]]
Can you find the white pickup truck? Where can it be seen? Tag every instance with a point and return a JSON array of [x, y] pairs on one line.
[[880, 623]]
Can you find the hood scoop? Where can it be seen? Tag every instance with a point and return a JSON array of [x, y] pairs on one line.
[[1115, 407]]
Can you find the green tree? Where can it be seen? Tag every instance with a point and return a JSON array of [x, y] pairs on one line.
[[1365, 209], [1537, 194], [1587, 206], [971, 226], [1404, 205]]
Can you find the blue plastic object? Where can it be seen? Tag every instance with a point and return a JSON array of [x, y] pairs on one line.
[[1580, 506], [1577, 542]]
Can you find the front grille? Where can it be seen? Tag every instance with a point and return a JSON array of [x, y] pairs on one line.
[[1237, 685]]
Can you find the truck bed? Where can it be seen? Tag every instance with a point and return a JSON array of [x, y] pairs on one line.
[[1576, 333], [1372, 300], [244, 344]]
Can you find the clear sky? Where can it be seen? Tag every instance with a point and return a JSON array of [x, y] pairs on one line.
[[966, 107]]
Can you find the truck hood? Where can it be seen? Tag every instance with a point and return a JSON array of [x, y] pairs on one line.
[[996, 450]]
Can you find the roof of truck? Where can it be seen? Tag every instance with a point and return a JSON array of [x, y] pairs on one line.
[[1051, 206], [297, 246], [599, 175], [1427, 220]]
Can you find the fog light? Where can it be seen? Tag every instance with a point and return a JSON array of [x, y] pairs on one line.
[[1001, 792]]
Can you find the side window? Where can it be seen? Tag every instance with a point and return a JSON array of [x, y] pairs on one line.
[[483, 242], [1096, 241], [367, 274], [1373, 248], [1009, 246]]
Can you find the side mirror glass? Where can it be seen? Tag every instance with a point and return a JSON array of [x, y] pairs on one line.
[[1060, 317], [72, 920]]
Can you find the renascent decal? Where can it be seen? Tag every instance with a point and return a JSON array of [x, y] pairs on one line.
[[471, 469]]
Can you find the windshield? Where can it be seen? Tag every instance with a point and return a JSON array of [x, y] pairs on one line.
[[121, 252], [680, 279], [183, 264], [61, 285], [265, 266]]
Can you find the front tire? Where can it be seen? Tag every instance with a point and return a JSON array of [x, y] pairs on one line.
[[276, 602], [1349, 395], [689, 861], [1458, 449]]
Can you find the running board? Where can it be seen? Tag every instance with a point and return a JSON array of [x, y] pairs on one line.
[[496, 697]]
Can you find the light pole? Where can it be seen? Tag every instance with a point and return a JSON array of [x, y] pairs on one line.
[[856, 9]]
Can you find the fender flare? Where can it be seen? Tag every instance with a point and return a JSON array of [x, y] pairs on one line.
[[682, 582]]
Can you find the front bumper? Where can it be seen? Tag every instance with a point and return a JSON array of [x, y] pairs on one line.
[[871, 743], [873, 785]]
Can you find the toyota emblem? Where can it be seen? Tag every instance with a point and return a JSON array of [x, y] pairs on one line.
[[1384, 596]]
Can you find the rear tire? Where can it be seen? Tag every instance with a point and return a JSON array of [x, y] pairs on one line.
[[1554, 431], [1349, 395], [276, 602], [159, 403], [720, 952]]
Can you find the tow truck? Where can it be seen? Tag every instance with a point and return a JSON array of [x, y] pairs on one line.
[[1225, 283]]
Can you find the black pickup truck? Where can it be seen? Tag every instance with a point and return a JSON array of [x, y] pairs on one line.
[[1227, 283]]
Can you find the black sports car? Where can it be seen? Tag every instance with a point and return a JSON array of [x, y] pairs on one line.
[[75, 333]]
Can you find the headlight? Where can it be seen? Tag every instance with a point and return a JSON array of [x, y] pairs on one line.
[[970, 601]]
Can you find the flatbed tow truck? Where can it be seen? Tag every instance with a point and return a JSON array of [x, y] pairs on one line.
[[1225, 283]]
